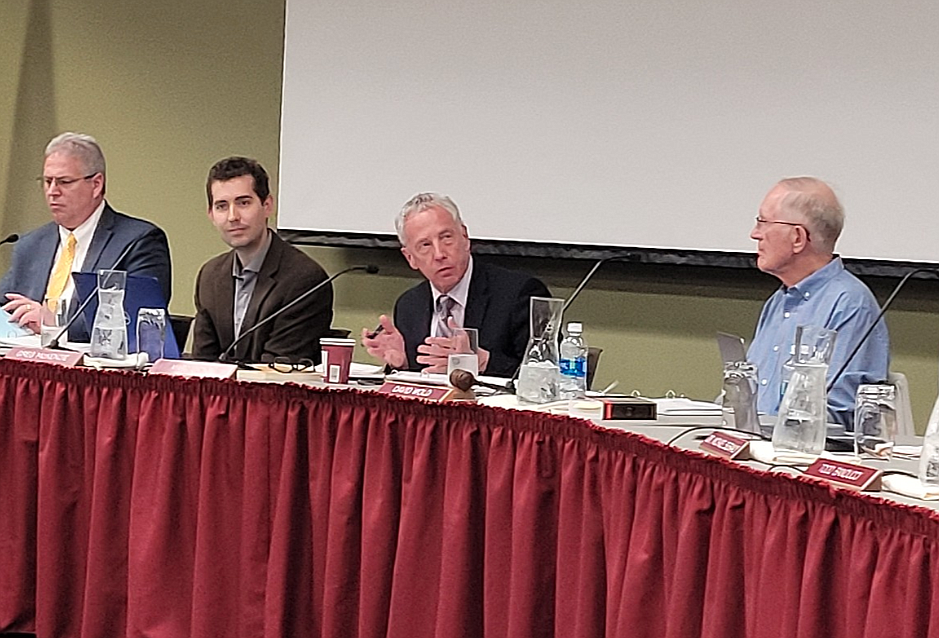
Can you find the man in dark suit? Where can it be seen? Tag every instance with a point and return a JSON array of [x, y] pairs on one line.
[[259, 276], [85, 235], [459, 292]]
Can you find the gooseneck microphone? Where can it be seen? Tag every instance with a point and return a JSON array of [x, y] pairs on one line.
[[589, 276], [94, 295], [873, 325], [12, 238], [225, 357], [583, 283]]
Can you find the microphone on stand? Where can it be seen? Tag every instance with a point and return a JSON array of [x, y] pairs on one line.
[[873, 325], [511, 386], [589, 276], [94, 295], [225, 357], [12, 238]]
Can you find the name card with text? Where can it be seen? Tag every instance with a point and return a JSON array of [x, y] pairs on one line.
[[849, 475], [64, 358], [726, 445], [187, 368], [434, 393]]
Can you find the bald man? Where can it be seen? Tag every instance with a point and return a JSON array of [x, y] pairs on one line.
[[799, 223]]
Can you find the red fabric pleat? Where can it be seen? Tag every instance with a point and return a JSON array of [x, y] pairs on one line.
[[20, 403], [293, 602], [160, 507]]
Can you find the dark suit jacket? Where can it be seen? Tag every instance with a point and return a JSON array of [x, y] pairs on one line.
[[285, 275], [497, 305], [34, 253]]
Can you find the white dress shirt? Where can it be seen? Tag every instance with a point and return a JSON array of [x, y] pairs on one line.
[[83, 236]]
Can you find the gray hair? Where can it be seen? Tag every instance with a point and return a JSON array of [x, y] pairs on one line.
[[817, 203], [420, 203], [83, 147]]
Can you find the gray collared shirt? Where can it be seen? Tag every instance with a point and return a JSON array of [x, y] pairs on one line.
[[246, 277]]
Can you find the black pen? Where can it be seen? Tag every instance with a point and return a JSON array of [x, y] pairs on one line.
[[377, 331]]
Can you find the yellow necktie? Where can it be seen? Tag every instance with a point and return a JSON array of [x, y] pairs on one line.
[[63, 268]]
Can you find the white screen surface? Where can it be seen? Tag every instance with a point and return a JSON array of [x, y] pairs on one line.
[[639, 124]]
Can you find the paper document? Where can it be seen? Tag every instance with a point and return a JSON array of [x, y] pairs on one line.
[[132, 361], [681, 406], [360, 370], [26, 341], [10, 329]]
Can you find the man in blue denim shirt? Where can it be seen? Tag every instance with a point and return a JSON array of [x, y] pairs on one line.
[[799, 222]]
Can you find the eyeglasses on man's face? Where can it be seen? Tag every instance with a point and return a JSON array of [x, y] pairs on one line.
[[761, 222], [62, 182]]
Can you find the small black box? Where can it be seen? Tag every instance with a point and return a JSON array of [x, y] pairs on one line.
[[628, 409]]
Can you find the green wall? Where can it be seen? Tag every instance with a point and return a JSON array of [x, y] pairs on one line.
[[168, 88]]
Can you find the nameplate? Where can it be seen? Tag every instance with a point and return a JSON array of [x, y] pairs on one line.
[[849, 475], [434, 393], [726, 445], [187, 368], [64, 358]]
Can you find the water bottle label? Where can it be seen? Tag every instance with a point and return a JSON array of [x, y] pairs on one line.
[[574, 367]]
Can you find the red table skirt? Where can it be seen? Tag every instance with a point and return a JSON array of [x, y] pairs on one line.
[[169, 508]]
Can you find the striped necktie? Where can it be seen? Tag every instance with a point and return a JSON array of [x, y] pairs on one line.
[[442, 315], [58, 280]]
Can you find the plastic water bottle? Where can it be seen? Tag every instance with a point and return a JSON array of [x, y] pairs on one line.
[[573, 362], [929, 459]]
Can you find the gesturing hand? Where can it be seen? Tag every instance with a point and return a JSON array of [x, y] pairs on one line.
[[386, 343]]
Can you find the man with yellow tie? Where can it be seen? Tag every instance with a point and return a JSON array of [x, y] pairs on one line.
[[85, 235]]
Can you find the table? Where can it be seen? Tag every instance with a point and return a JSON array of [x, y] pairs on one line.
[[165, 507]]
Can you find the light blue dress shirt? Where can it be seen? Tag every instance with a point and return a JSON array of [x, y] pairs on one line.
[[832, 298]]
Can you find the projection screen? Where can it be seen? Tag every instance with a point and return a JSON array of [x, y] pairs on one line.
[[642, 124]]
